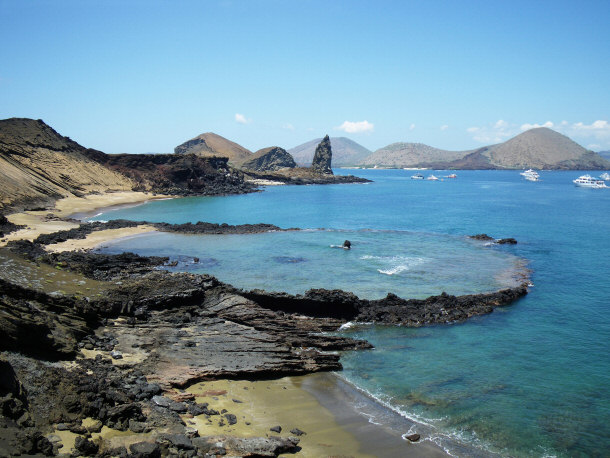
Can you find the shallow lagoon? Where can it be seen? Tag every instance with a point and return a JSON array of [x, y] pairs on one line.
[[532, 379]]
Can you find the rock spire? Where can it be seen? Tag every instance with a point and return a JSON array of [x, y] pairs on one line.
[[323, 157]]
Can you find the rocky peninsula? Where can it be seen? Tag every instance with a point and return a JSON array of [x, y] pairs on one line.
[[114, 343]]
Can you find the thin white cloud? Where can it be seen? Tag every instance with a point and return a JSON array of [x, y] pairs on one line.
[[288, 126], [240, 118], [492, 133], [444, 127], [598, 131], [356, 127], [597, 126], [528, 126], [412, 126]]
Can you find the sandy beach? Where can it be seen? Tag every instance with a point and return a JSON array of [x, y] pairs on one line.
[[48, 221], [317, 404]]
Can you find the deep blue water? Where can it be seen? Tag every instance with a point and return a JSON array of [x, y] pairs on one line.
[[532, 379]]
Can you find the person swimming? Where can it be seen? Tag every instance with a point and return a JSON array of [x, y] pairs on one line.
[[347, 245]]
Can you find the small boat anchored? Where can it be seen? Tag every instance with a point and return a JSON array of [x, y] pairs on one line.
[[417, 176], [530, 175], [432, 178], [587, 181]]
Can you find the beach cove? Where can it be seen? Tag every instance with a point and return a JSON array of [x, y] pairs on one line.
[[368, 381]]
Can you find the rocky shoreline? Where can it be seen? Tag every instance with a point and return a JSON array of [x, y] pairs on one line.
[[120, 355]]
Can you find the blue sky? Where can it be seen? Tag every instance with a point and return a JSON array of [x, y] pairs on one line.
[[144, 76]]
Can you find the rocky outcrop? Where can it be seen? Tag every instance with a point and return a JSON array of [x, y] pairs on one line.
[[180, 175], [322, 158], [304, 176], [269, 159], [346, 152]]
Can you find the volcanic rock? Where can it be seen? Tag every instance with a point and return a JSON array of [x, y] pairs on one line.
[[323, 157], [269, 159]]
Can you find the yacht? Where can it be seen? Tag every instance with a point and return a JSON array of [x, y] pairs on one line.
[[453, 175], [587, 181], [605, 176], [432, 178], [531, 175], [417, 176]]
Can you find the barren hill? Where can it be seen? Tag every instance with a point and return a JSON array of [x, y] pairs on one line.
[[540, 148], [37, 165], [211, 144], [345, 152], [411, 155]]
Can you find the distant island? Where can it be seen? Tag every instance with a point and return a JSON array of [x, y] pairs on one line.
[[539, 148]]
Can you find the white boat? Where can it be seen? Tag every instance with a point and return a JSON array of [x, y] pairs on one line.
[[432, 178], [530, 175], [587, 181], [417, 176], [605, 176], [453, 175]]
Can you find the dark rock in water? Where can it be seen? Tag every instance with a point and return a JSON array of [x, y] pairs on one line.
[[508, 241], [85, 446], [270, 159], [276, 429], [485, 237], [413, 437], [323, 157], [297, 432], [145, 450], [480, 237], [231, 419]]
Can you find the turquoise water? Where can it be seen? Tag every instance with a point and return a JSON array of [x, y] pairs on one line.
[[532, 379]]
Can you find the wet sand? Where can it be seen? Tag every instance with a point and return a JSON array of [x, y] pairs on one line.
[[316, 404]]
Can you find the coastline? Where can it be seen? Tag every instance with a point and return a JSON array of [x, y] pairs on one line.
[[62, 217], [329, 416], [327, 412]]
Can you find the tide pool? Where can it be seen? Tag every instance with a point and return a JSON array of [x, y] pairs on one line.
[[532, 379]]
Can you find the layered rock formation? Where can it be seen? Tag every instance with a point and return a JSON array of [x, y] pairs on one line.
[[322, 158], [269, 160], [210, 144], [38, 165]]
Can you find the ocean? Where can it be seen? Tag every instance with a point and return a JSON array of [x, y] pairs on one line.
[[530, 379]]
